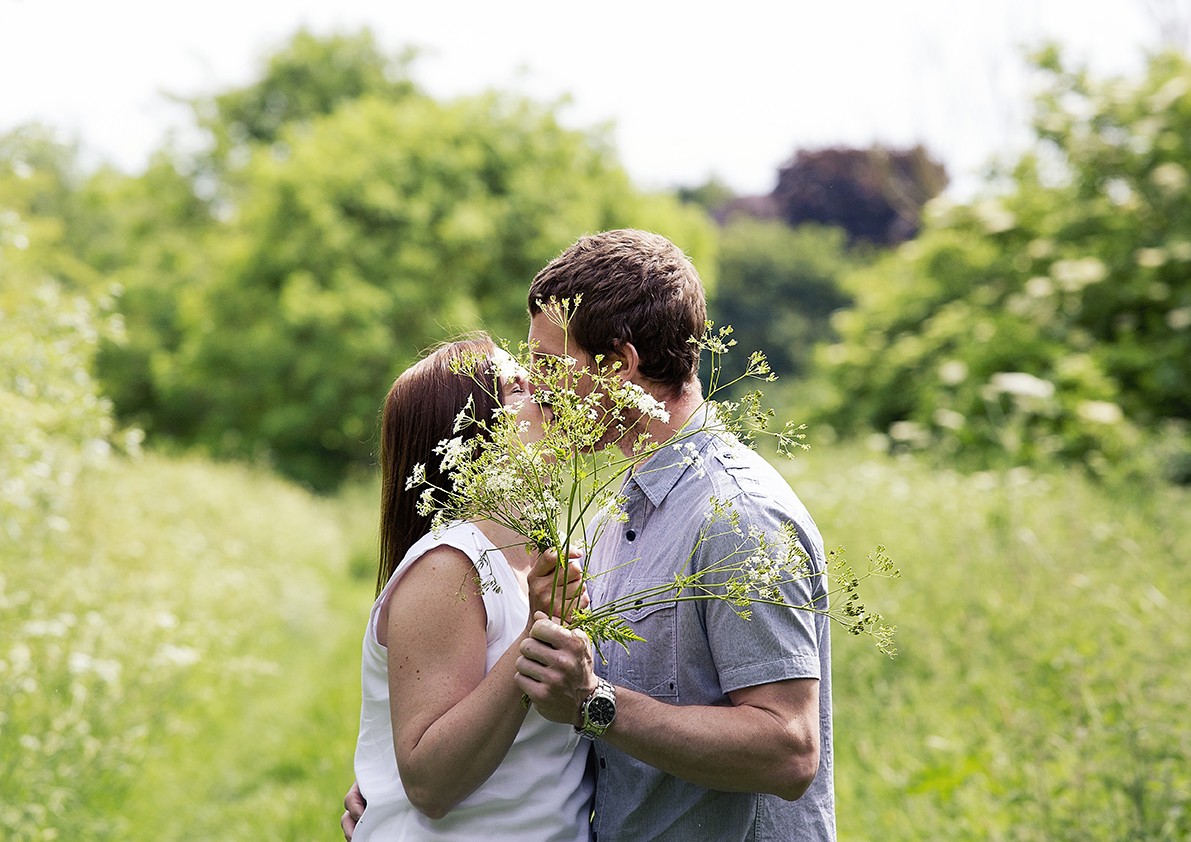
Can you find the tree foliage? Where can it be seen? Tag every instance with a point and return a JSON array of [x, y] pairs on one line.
[[156, 240], [337, 223], [385, 228], [1051, 320], [53, 420], [874, 194], [777, 288], [306, 78]]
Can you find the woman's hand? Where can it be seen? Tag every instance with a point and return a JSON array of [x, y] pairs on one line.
[[554, 590]]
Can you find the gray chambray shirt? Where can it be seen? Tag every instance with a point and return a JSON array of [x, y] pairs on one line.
[[695, 653]]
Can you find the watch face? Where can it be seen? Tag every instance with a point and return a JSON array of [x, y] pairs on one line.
[[600, 711]]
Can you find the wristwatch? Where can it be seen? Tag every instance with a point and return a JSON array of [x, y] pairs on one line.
[[598, 711]]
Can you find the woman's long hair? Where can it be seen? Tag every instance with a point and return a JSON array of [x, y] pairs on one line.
[[418, 413]]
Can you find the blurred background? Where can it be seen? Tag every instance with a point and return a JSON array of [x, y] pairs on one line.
[[962, 236]]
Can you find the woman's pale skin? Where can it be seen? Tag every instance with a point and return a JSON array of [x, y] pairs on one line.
[[453, 723]]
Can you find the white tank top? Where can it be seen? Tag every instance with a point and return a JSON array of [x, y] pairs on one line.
[[539, 793]]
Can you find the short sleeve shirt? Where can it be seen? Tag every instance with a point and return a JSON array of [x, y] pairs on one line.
[[695, 653]]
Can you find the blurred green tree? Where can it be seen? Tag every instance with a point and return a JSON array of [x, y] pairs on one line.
[[874, 194], [337, 223], [384, 228], [150, 232], [154, 237], [308, 77], [714, 196], [40, 182], [1052, 318], [777, 288]]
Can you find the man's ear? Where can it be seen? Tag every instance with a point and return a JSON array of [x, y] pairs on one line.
[[630, 362]]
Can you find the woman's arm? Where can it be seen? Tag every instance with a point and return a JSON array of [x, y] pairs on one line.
[[452, 724]]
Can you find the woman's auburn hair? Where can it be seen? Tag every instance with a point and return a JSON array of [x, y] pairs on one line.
[[419, 413]]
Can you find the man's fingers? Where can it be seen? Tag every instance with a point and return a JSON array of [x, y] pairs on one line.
[[354, 801], [544, 564], [543, 661], [547, 562], [348, 825], [530, 668], [549, 631], [533, 689], [540, 652]]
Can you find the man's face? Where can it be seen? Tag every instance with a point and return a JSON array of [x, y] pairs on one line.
[[548, 339]]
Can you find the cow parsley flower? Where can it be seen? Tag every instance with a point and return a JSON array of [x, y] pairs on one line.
[[646, 403], [505, 366], [452, 452], [691, 456], [466, 415], [416, 477]]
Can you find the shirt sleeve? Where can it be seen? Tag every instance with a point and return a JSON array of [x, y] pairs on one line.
[[776, 642]]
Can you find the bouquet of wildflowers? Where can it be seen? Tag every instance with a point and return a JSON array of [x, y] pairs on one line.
[[560, 487]]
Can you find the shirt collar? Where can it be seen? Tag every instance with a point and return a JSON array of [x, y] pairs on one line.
[[658, 475]]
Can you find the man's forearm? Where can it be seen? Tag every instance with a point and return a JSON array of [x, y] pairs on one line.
[[735, 748], [766, 740]]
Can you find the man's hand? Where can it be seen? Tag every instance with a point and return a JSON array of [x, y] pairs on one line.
[[555, 591], [353, 804], [556, 671]]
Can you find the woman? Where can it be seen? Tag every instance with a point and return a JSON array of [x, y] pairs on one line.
[[447, 750]]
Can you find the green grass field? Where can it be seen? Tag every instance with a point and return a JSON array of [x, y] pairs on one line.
[[182, 663]]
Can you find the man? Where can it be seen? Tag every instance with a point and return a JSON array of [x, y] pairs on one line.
[[715, 727]]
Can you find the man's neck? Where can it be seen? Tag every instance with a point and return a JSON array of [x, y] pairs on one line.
[[681, 405]]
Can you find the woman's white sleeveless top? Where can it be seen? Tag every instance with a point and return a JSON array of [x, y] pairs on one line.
[[539, 793]]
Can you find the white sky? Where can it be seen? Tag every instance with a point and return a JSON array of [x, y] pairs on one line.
[[694, 89]]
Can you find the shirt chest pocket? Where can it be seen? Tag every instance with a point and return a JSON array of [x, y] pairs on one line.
[[650, 666]]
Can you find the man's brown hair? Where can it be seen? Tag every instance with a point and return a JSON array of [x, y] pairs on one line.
[[636, 287]]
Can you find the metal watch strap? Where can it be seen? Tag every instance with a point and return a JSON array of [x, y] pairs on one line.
[[598, 711]]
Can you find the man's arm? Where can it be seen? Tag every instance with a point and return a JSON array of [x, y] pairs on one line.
[[767, 740]]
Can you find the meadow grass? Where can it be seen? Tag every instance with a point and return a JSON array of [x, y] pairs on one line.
[[183, 663], [1040, 690]]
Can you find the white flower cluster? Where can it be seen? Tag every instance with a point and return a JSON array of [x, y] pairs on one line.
[[417, 477], [465, 415], [426, 504], [1100, 412], [763, 574], [646, 403], [691, 456], [543, 508], [504, 366], [452, 451], [1074, 274], [502, 482], [1021, 384]]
